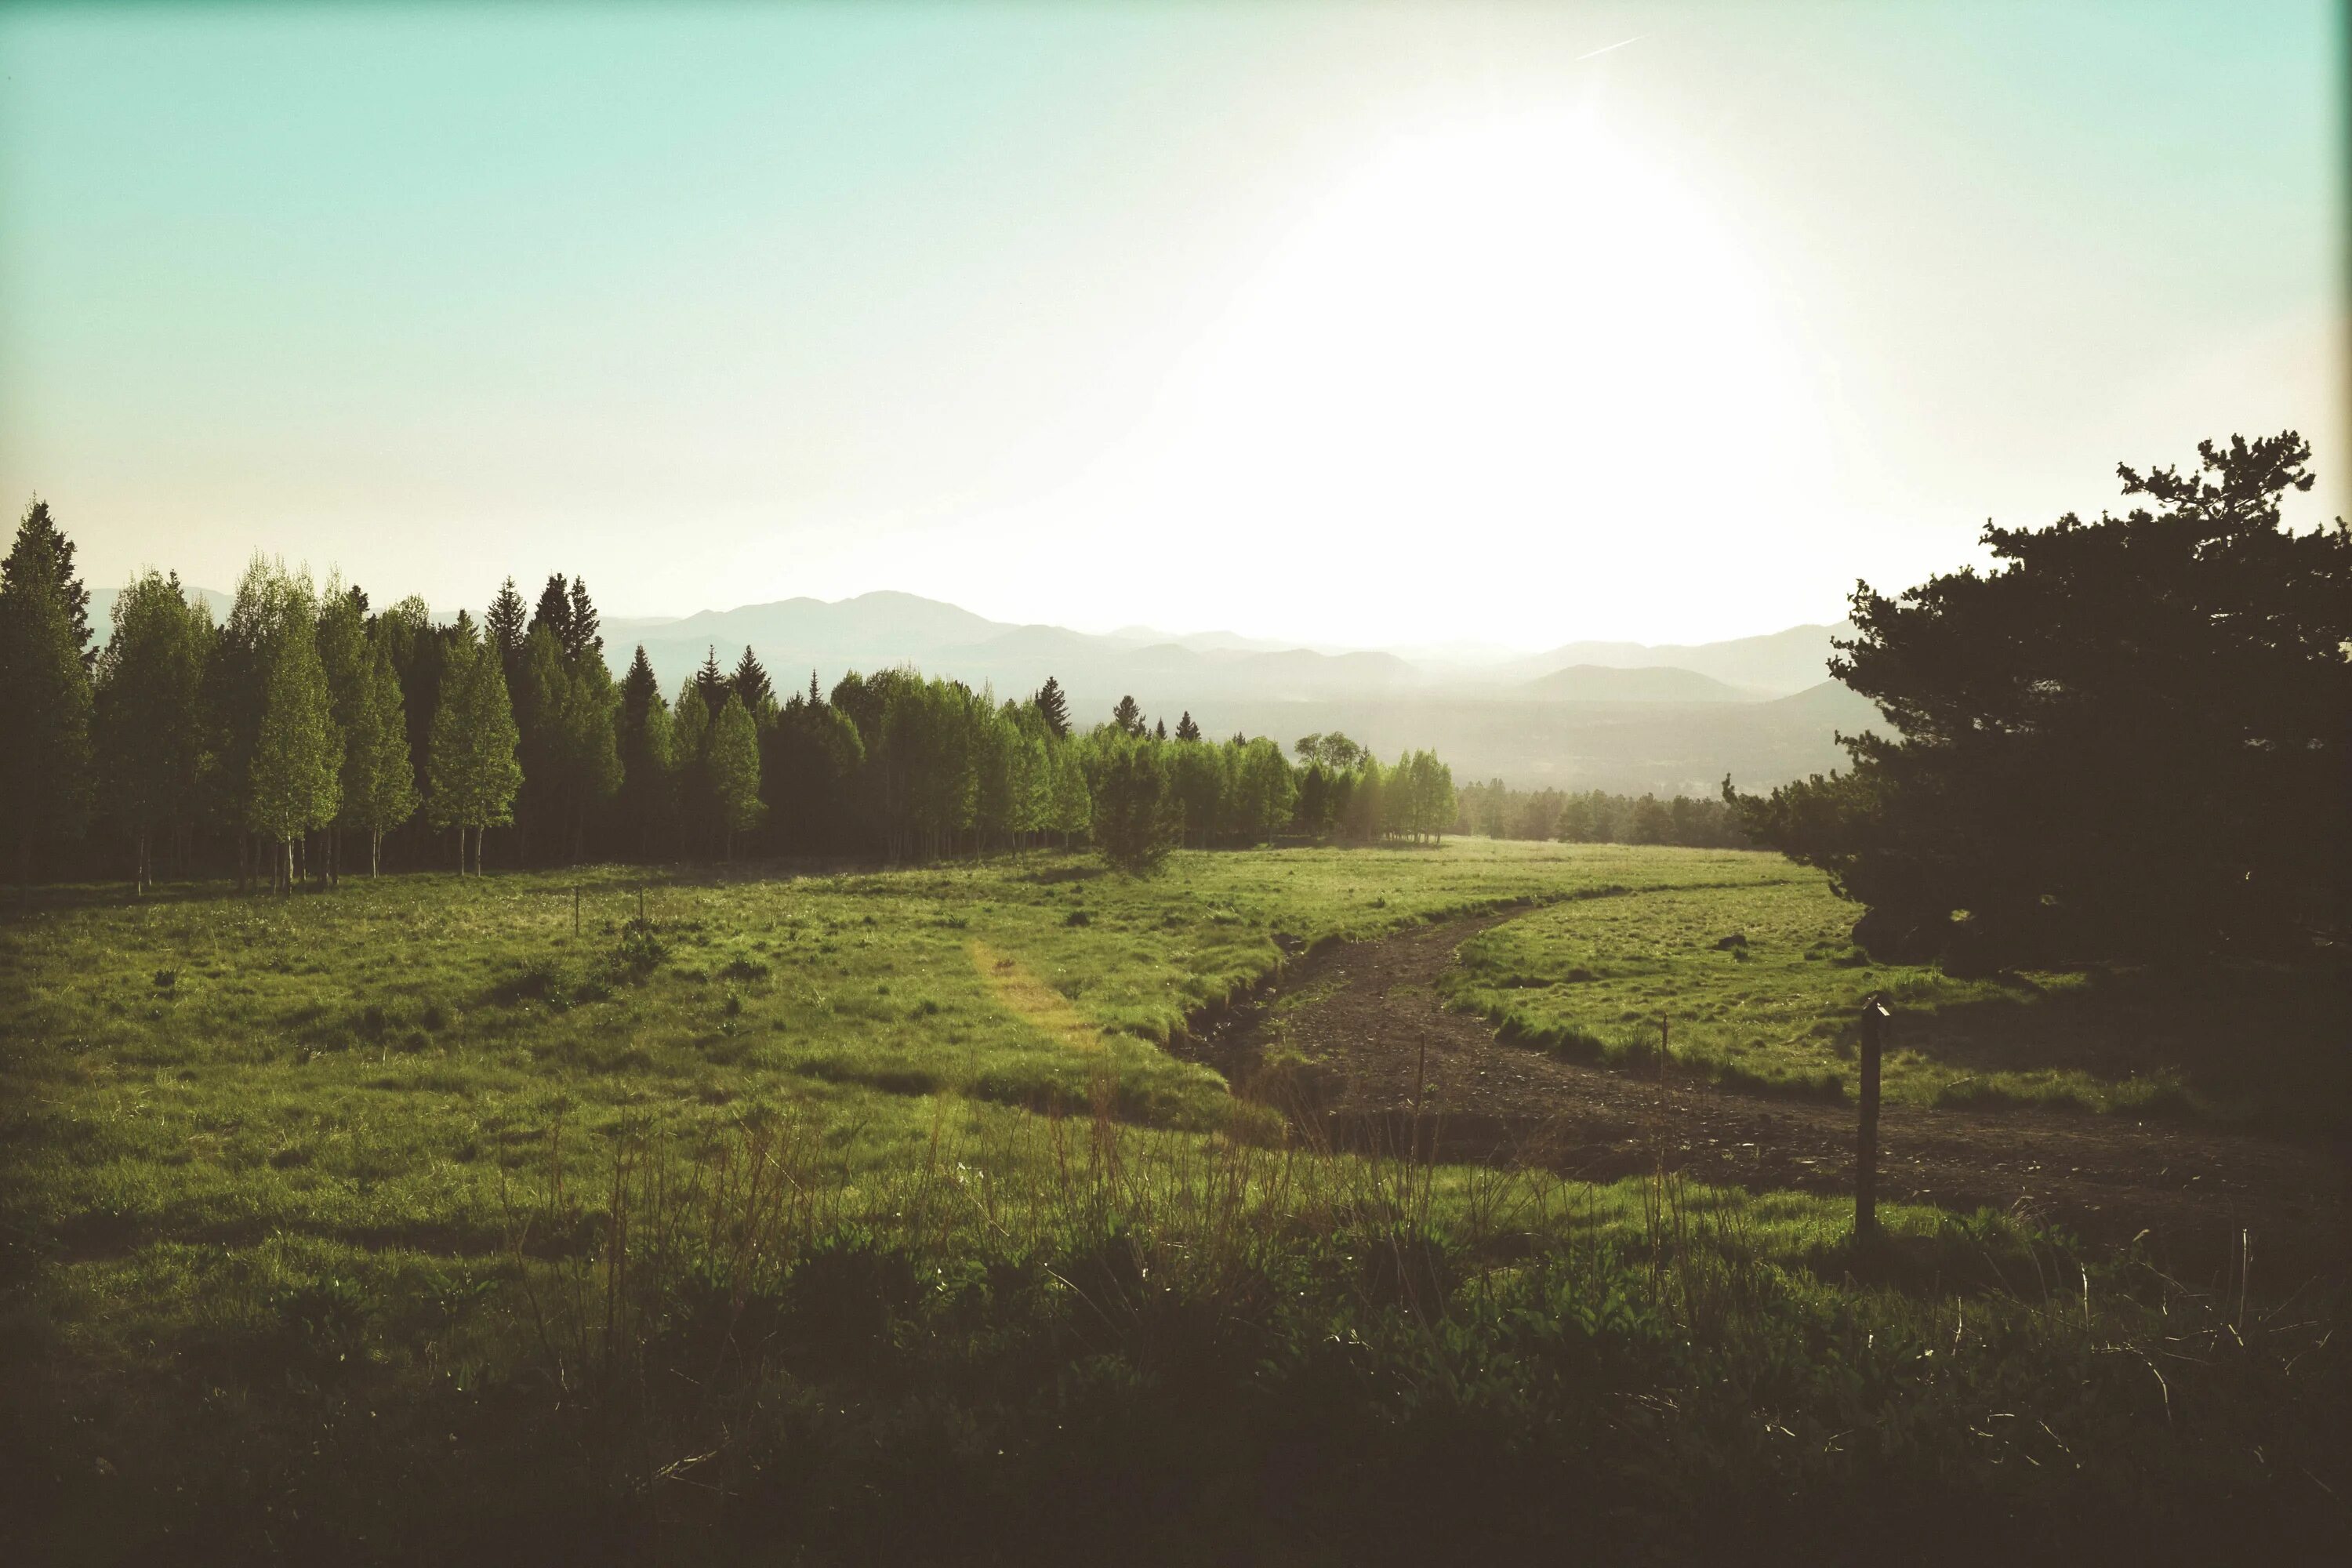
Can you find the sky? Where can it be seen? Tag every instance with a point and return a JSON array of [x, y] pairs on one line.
[[1391, 325]]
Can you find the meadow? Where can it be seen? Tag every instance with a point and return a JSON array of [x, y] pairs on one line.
[[739, 1216], [1760, 988]]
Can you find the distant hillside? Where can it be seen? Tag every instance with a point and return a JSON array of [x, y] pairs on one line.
[[1783, 661], [1652, 683], [1619, 716]]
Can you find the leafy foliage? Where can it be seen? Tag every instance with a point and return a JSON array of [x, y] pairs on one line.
[[2128, 739]]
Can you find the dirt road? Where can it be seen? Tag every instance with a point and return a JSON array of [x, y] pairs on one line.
[[1373, 1028]]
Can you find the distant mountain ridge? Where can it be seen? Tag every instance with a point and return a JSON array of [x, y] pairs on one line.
[[1609, 715], [1635, 683]]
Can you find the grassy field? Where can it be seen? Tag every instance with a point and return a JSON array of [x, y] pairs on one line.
[[864, 1212], [1759, 987]]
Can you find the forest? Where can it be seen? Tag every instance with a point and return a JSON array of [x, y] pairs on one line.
[[309, 734]]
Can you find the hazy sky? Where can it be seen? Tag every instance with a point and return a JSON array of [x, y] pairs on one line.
[[1391, 324]]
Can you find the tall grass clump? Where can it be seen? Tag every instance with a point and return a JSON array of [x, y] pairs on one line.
[[1148, 1328]]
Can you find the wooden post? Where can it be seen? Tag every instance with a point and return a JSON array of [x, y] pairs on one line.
[[575, 909], [1875, 1014]]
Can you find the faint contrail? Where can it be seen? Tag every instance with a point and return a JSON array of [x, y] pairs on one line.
[[1618, 45]]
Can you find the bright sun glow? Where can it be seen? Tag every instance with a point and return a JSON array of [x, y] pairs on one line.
[[1510, 341]]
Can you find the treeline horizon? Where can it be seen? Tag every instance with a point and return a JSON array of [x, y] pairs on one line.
[[1498, 810], [307, 722]]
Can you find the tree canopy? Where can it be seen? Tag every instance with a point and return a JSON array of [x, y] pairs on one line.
[[2127, 739]]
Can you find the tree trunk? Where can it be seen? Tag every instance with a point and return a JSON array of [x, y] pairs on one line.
[[375, 853]]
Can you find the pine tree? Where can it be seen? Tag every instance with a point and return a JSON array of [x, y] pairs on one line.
[[1185, 728], [582, 639], [710, 683], [554, 612], [38, 534], [751, 683], [503, 627], [648, 806], [145, 727], [816, 697], [1051, 704], [1128, 717], [734, 772], [1159, 729], [45, 689]]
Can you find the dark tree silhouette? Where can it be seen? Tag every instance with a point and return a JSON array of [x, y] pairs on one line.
[[554, 612], [712, 682], [2128, 739], [1136, 814], [1051, 706], [503, 627], [1127, 716], [1185, 728], [582, 639], [751, 683]]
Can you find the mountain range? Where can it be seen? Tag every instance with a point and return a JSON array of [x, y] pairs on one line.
[[1612, 715]]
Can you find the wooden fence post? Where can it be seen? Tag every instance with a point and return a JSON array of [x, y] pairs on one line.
[[1875, 1014]]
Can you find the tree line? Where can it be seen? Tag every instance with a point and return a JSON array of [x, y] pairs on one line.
[[308, 725], [1596, 816]]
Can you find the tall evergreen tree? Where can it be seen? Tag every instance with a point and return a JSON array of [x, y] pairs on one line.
[[1185, 728], [1128, 717], [1052, 706], [504, 628], [45, 689], [582, 637], [710, 683], [751, 683], [37, 534], [648, 803], [554, 611]]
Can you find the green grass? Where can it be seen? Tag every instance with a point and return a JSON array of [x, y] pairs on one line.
[[1777, 1011], [867, 1214]]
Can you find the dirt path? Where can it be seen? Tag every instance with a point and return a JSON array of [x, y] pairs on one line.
[[1367, 1017]]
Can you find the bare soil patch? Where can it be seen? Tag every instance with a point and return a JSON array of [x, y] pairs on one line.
[[1364, 1052]]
